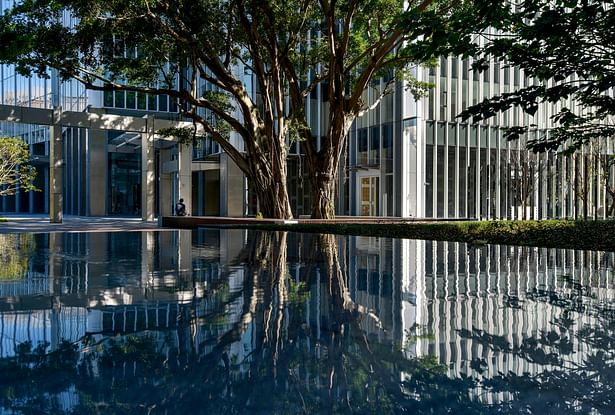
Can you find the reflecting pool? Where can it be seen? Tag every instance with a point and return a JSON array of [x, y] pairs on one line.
[[236, 321]]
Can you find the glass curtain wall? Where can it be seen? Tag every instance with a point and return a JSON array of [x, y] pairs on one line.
[[472, 171]]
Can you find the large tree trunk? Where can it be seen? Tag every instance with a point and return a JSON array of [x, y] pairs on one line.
[[324, 169], [323, 186], [269, 180]]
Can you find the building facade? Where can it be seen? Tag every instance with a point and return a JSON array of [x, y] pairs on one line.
[[406, 158], [416, 158]]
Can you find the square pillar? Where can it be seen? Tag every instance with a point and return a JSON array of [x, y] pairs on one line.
[[184, 175], [56, 168], [165, 185], [232, 188], [148, 184], [97, 172]]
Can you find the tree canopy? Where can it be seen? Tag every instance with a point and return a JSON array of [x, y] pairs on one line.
[[243, 66], [15, 172], [567, 46]]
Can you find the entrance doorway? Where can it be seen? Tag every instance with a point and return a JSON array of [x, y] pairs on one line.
[[369, 196], [124, 184]]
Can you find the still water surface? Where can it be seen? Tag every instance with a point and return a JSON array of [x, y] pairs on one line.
[[234, 321]]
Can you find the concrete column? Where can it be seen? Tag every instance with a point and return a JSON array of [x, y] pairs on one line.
[[165, 185], [97, 172], [56, 168], [148, 176], [184, 173], [231, 188], [31, 201]]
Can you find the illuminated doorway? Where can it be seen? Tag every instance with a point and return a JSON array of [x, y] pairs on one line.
[[369, 196]]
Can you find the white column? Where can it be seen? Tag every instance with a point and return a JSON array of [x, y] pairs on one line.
[[165, 185], [147, 172], [56, 168], [184, 173]]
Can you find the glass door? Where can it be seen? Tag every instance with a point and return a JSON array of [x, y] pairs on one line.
[[369, 195]]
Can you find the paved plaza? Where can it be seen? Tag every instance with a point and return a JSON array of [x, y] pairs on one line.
[[40, 223]]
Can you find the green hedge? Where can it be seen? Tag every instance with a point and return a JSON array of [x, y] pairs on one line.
[[593, 235]]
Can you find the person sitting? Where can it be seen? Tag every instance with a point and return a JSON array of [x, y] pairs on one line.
[[180, 208]]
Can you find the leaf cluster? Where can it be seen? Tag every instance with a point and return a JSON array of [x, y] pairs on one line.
[[565, 48], [15, 170]]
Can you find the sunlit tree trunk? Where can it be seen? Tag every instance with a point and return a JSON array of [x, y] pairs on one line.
[[269, 181]]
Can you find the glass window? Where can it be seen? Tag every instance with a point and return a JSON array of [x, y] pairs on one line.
[[387, 146], [141, 101], [388, 195], [441, 138], [483, 201], [374, 150], [119, 99], [108, 98], [130, 99], [431, 104], [173, 105], [440, 180], [429, 180], [453, 98], [152, 103], [472, 183], [362, 146], [462, 172], [452, 134], [443, 98], [430, 133], [452, 197], [483, 136], [503, 184], [493, 177], [162, 103]]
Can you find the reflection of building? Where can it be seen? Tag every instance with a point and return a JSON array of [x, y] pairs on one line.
[[513, 298], [480, 311], [211, 294], [118, 283]]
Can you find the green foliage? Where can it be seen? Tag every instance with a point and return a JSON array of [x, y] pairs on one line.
[[15, 253], [591, 234], [297, 292], [15, 172], [183, 135], [567, 46]]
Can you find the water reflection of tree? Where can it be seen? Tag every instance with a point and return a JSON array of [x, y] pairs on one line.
[[286, 367], [15, 253]]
